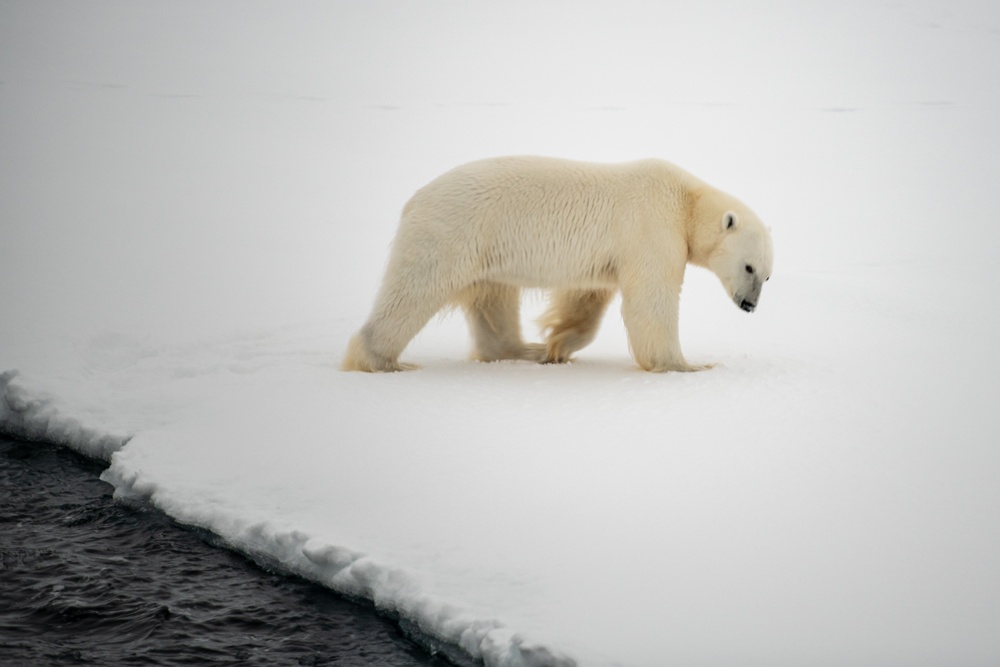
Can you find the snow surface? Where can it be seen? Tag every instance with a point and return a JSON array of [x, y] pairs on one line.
[[196, 201]]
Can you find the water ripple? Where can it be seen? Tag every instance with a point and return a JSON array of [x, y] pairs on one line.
[[86, 581]]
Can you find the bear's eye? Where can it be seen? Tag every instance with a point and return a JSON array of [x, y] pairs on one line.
[[749, 269]]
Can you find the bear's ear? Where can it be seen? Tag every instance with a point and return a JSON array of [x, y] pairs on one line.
[[730, 220]]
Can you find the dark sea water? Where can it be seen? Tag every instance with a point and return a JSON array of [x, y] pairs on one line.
[[88, 581]]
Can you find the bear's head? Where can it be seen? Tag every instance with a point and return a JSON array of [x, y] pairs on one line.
[[742, 258]]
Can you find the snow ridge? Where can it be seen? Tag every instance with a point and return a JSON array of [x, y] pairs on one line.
[[28, 414]]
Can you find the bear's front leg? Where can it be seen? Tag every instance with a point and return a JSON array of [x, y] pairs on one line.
[[651, 322]]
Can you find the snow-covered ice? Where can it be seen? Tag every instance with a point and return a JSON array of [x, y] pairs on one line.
[[196, 202]]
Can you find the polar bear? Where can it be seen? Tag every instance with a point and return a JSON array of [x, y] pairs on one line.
[[478, 234]]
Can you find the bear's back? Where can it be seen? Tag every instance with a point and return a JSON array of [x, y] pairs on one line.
[[538, 221]]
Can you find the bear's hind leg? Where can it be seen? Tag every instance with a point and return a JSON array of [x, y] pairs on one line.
[[360, 357], [571, 321], [400, 312], [493, 311]]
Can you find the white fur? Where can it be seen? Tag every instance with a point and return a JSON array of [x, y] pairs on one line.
[[479, 233]]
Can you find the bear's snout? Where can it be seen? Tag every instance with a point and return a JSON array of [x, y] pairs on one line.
[[747, 305]]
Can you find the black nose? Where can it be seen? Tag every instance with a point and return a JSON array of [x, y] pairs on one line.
[[747, 305]]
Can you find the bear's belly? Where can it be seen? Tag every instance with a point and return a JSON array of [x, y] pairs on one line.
[[532, 272]]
